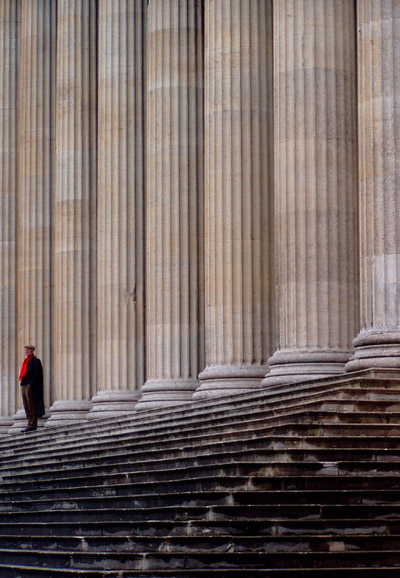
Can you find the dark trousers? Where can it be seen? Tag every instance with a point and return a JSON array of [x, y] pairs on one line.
[[28, 397]]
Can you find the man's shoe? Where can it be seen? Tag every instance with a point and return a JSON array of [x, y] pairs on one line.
[[28, 429]]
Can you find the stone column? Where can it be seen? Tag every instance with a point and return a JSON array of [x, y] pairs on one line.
[[174, 207], [36, 180], [378, 343], [238, 195], [315, 188], [9, 14], [120, 207], [75, 212]]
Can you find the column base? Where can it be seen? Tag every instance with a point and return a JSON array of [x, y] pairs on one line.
[[158, 393], [288, 366], [221, 380], [6, 424], [63, 413], [378, 349], [20, 422], [113, 404]]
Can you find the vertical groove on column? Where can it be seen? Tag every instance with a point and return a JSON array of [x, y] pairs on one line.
[[378, 343], [75, 252], [36, 180], [315, 185], [175, 195], [238, 194], [120, 206], [9, 14]]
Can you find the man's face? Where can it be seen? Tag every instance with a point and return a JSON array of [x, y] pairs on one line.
[[28, 351]]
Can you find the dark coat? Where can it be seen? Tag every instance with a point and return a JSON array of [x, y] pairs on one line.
[[34, 377]]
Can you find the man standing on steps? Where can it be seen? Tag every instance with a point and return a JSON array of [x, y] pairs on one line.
[[31, 381]]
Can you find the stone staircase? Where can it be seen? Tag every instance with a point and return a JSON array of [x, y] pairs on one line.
[[291, 481]]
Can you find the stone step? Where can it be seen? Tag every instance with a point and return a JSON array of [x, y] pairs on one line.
[[244, 469], [271, 527], [241, 468], [39, 445], [69, 440], [209, 413], [198, 560], [219, 406], [327, 430], [18, 571], [207, 512], [79, 487], [9, 570], [182, 498], [358, 441], [256, 397], [182, 456], [93, 460], [182, 447], [271, 434], [219, 543], [235, 432], [137, 497]]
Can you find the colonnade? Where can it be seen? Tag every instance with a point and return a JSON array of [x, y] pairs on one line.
[[198, 197]]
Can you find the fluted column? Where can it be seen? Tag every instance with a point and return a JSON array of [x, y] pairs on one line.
[[315, 188], [378, 343], [36, 180], [175, 196], [9, 14], [120, 206], [75, 242], [238, 195]]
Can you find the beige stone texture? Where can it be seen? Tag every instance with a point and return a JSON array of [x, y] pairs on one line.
[[189, 205], [378, 343], [36, 180], [315, 188], [75, 212], [18, 422], [120, 230], [238, 195], [174, 204], [8, 205]]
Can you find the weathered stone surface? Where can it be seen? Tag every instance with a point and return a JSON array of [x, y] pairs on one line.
[[148, 245], [66, 413], [298, 477], [378, 343], [36, 182], [113, 403], [238, 195], [315, 188], [174, 228], [120, 208], [75, 206], [8, 207]]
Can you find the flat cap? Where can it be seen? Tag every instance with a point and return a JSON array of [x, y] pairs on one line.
[[30, 347]]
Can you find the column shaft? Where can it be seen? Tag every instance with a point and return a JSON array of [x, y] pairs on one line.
[[9, 14], [238, 195], [120, 206], [175, 197], [75, 243], [378, 343], [315, 187], [36, 175]]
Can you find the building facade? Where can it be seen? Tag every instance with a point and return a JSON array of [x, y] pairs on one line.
[[198, 197]]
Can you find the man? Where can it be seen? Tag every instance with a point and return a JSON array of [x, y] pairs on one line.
[[31, 381]]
